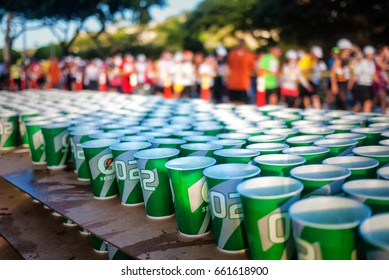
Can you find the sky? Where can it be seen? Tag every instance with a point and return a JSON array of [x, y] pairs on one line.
[[41, 37]]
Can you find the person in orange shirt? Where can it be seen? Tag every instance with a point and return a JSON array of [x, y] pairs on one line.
[[54, 73], [240, 63]]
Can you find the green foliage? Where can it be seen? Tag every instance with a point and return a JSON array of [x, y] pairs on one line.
[[14, 55], [47, 51]]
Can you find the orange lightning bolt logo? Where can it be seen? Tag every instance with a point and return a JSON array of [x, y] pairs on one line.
[[108, 163]]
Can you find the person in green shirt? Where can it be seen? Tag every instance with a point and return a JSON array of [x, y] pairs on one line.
[[269, 65]]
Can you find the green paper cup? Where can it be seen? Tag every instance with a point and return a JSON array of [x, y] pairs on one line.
[[199, 149], [135, 138], [326, 228], [126, 171], [235, 136], [287, 132], [266, 202], [266, 139], [278, 165], [56, 138], [166, 143], [360, 167], [190, 194], [303, 140], [339, 128], [24, 116], [320, 179], [372, 192], [155, 181], [226, 209], [380, 153], [384, 142], [8, 130], [210, 130], [385, 135], [199, 138], [235, 156], [228, 143], [373, 135], [155, 134], [112, 127], [99, 160], [268, 148], [313, 154], [77, 137], [36, 142], [252, 131], [106, 135], [353, 136], [99, 245], [323, 131], [375, 233], [185, 133], [115, 254], [338, 147], [383, 173]]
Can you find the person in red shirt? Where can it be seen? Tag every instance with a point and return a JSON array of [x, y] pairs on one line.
[[128, 71], [240, 63]]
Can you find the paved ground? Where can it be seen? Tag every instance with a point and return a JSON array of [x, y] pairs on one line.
[[31, 232]]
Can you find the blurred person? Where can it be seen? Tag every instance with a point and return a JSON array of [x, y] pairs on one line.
[[16, 74], [240, 63], [91, 75], [198, 59], [141, 69], [207, 73], [3, 75], [341, 74], [270, 65], [184, 75], [221, 73], [312, 68], [114, 73], [291, 78], [128, 73], [381, 85], [164, 68], [36, 75], [54, 73], [361, 82]]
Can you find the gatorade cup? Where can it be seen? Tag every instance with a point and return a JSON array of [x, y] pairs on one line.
[[266, 139], [135, 138], [199, 138], [338, 147], [372, 192], [383, 173], [360, 167], [326, 228], [127, 173], [266, 202], [228, 143], [115, 254], [36, 142], [373, 135], [190, 194], [268, 148], [8, 130], [22, 125], [226, 209], [166, 143], [155, 181], [354, 136], [313, 154], [56, 138], [303, 140], [278, 165], [384, 142], [77, 137], [99, 160], [199, 149], [375, 232], [320, 179], [235, 155], [99, 245], [380, 153]]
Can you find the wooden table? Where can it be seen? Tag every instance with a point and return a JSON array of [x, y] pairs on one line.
[[127, 228]]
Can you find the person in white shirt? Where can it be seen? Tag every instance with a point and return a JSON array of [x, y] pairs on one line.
[[291, 77], [361, 82], [184, 76]]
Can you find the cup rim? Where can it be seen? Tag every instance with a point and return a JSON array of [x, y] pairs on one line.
[[310, 138], [276, 146], [379, 220], [268, 137], [235, 153], [226, 142], [357, 151], [368, 130], [382, 169], [313, 166], [384, 142], [206, 162], [84, 132], [251, 171], [129, 146], [356, 136], [350, 188], [153, 153], [201, 147], [99, 143], [347, 142], [167, 141], [373, 162], [292, 150], [261, 159], [260, 182], [196, 137], [316, 201], [106, 135], [125, 138]]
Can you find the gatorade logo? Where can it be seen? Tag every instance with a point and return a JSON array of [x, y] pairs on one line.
[[105, 165], [65, 140], [198, 194]]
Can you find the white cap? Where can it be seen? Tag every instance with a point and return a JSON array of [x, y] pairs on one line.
[[344, 44], [368, 50], [221, 51], [317, 51], [291, 54]]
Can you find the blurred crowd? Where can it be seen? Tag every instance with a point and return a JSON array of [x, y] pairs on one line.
[[351, 78]]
